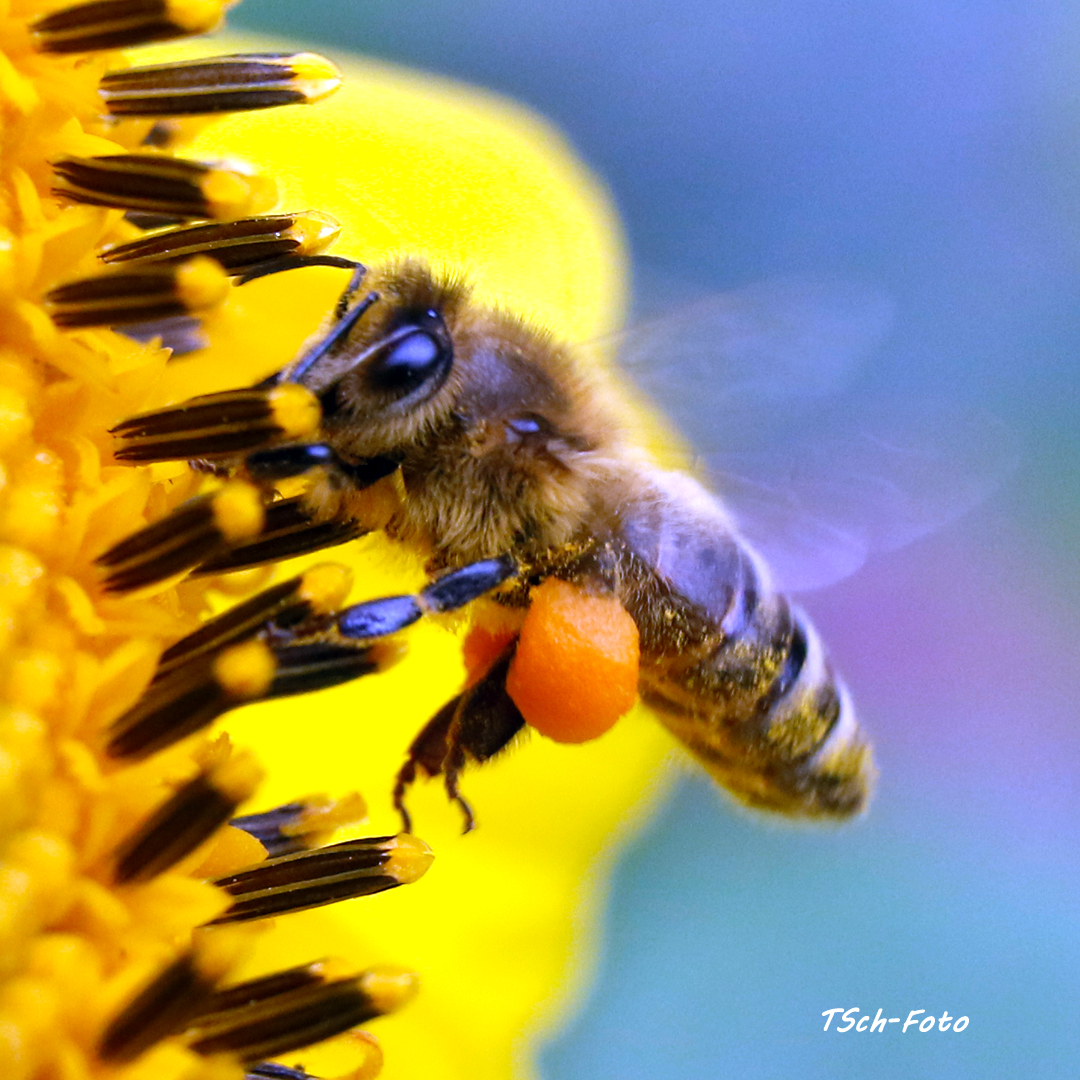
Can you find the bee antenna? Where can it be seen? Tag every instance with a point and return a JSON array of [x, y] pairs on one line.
[[340, 330], [295, 262]]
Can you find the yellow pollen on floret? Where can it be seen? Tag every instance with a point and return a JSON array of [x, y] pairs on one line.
[[230, 850], [238, 511], [296, 410], [197, 16], [314, 231], [231, 194], [216, 954], [201, 283], [239, 776], [316, 76], [322, 816], [389, 987], [409, 858], [326, 586], [245, 671]]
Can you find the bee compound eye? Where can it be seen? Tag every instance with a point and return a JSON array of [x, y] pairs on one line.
[[410, 362]]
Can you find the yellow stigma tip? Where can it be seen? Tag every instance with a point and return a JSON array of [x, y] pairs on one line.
[[245, 671], [196, 16], [239, 776], [388, 988], [239, 513], [201, 283], [227, 194], [314, 232], [409, 858], [325, 587], [296, 410], [368, 1047], [230, 194], [314, 75]]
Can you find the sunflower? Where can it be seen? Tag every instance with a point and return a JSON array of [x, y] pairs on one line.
[[107, 964]]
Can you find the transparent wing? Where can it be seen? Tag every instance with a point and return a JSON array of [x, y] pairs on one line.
[[722, 366], [817, 478], [819, 503]]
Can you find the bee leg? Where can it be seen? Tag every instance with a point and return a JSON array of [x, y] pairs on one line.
[[275, 644], [194, 694], [235, 528], [350, 292], [477, 723], [347, 317], [296, 262], [453, 771], [428, 751], [210, 531], [486, 722], [289, 639], [289, 529], [295, 459], [472, 727]]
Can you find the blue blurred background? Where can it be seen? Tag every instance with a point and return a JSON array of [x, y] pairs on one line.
[[932, 147]]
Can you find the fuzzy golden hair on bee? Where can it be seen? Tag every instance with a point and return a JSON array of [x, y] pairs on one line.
[[506, 452], [490, 450]]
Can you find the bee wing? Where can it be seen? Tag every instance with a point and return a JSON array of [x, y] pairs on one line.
[[819, 503], [760, 380], [721, 366]]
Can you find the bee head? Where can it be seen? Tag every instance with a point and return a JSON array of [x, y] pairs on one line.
[[424, 363], [482, 409], [380, 383]]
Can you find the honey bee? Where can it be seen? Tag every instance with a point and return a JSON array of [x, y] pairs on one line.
[[485, 445]]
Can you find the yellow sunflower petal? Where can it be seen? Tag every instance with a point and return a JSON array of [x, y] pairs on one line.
[[499, 927]]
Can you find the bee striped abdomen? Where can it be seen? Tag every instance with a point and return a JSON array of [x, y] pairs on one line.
[[745, 684]]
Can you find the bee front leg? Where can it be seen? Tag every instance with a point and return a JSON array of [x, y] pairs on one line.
[[296, 262], [275, 644], [251, 434], [289, 639]]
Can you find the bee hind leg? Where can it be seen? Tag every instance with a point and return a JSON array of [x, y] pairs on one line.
[[427, 752], [472, 727]]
